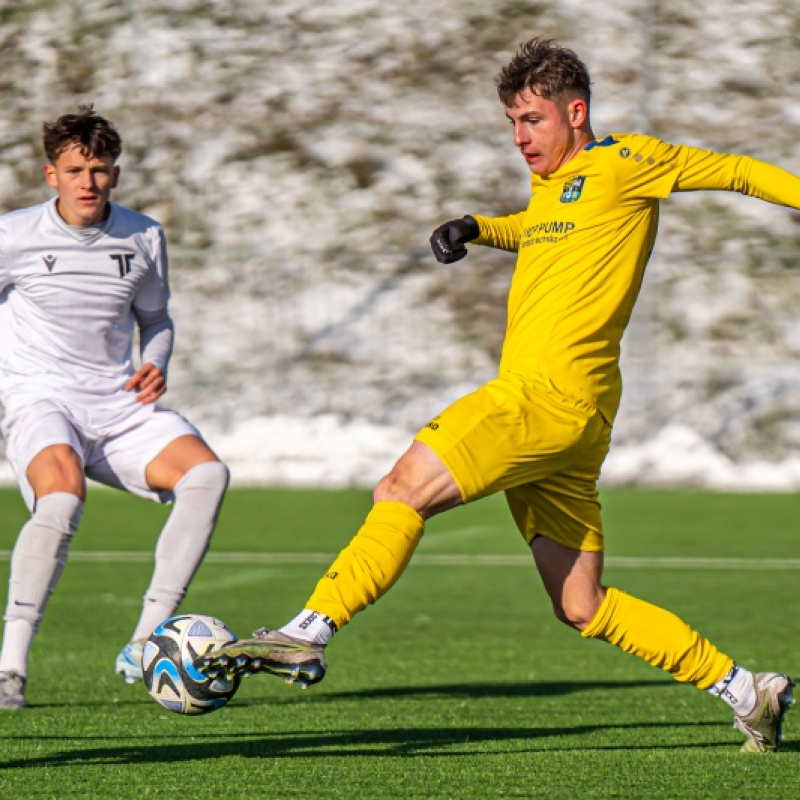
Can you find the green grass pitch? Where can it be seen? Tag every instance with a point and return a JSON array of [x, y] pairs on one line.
[[458, 684]]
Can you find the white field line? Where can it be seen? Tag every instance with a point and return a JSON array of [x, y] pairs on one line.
[[443, 560]]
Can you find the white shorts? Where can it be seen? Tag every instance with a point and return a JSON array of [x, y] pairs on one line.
[[115, 449]]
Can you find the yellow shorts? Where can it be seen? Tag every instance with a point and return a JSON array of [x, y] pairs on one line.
[[520, 435]]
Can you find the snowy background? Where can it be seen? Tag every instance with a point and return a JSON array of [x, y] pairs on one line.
[[299, 156]]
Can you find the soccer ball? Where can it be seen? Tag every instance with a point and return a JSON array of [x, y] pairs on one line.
[[168, 664]]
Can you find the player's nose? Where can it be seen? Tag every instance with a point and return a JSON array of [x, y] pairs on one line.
[[88, 179]]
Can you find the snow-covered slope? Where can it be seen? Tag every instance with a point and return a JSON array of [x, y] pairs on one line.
[[300, 154]]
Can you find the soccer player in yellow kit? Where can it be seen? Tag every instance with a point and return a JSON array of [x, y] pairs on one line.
[[540, 431]]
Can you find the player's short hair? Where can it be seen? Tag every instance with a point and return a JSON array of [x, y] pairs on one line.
[[94, 135], [547, 69]]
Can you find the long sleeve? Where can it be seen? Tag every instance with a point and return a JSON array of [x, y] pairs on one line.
[[646, 167], [503, 233], [151, 307], [704, 169], [157, 334]]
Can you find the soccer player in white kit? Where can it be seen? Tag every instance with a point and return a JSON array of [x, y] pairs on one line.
[[78, 275]]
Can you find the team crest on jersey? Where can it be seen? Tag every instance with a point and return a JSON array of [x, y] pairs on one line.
[[124, 261], [572, 189], [49, 262]]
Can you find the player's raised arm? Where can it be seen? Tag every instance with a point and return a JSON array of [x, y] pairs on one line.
[[705, 169]]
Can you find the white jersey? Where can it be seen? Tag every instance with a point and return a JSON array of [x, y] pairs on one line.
[[70, 299]]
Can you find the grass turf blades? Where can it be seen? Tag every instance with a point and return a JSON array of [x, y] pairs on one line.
[[459, 683]]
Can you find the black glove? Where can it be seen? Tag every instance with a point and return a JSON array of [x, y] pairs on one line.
[[447, 241]]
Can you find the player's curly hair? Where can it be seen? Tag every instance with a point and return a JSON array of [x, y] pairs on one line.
[[545, 68], [94, 135]]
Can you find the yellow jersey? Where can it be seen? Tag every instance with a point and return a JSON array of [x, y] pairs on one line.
[[583, 244]]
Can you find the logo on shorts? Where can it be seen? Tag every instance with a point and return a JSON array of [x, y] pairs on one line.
[[433, 424], [49, 262]]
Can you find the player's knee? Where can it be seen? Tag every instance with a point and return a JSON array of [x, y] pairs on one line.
[[58, 513], [211, 477], [577, 613], [384, 489], [393, 487], [62, 475]]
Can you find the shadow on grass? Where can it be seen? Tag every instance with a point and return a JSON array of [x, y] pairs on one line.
[[398, 742], [381, 742], [477, 690], [480, 690]]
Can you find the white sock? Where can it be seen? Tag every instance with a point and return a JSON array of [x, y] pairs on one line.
[[39, 557], [154, 612], [17, 638], [310, 626], [183, 542], [737, 689]]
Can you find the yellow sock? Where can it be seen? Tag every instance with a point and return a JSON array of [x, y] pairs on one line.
[[370, 564], [659, 637]]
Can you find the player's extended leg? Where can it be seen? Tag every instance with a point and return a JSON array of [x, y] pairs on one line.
[[572, 579], [510, 431], [198, 480], [418, 487], [56, 476]]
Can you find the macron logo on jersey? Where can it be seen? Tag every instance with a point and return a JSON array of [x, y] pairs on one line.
[[49, 262]]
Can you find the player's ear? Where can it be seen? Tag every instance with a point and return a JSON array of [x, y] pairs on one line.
[[50, 175], [115, 177], [578, 112]]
